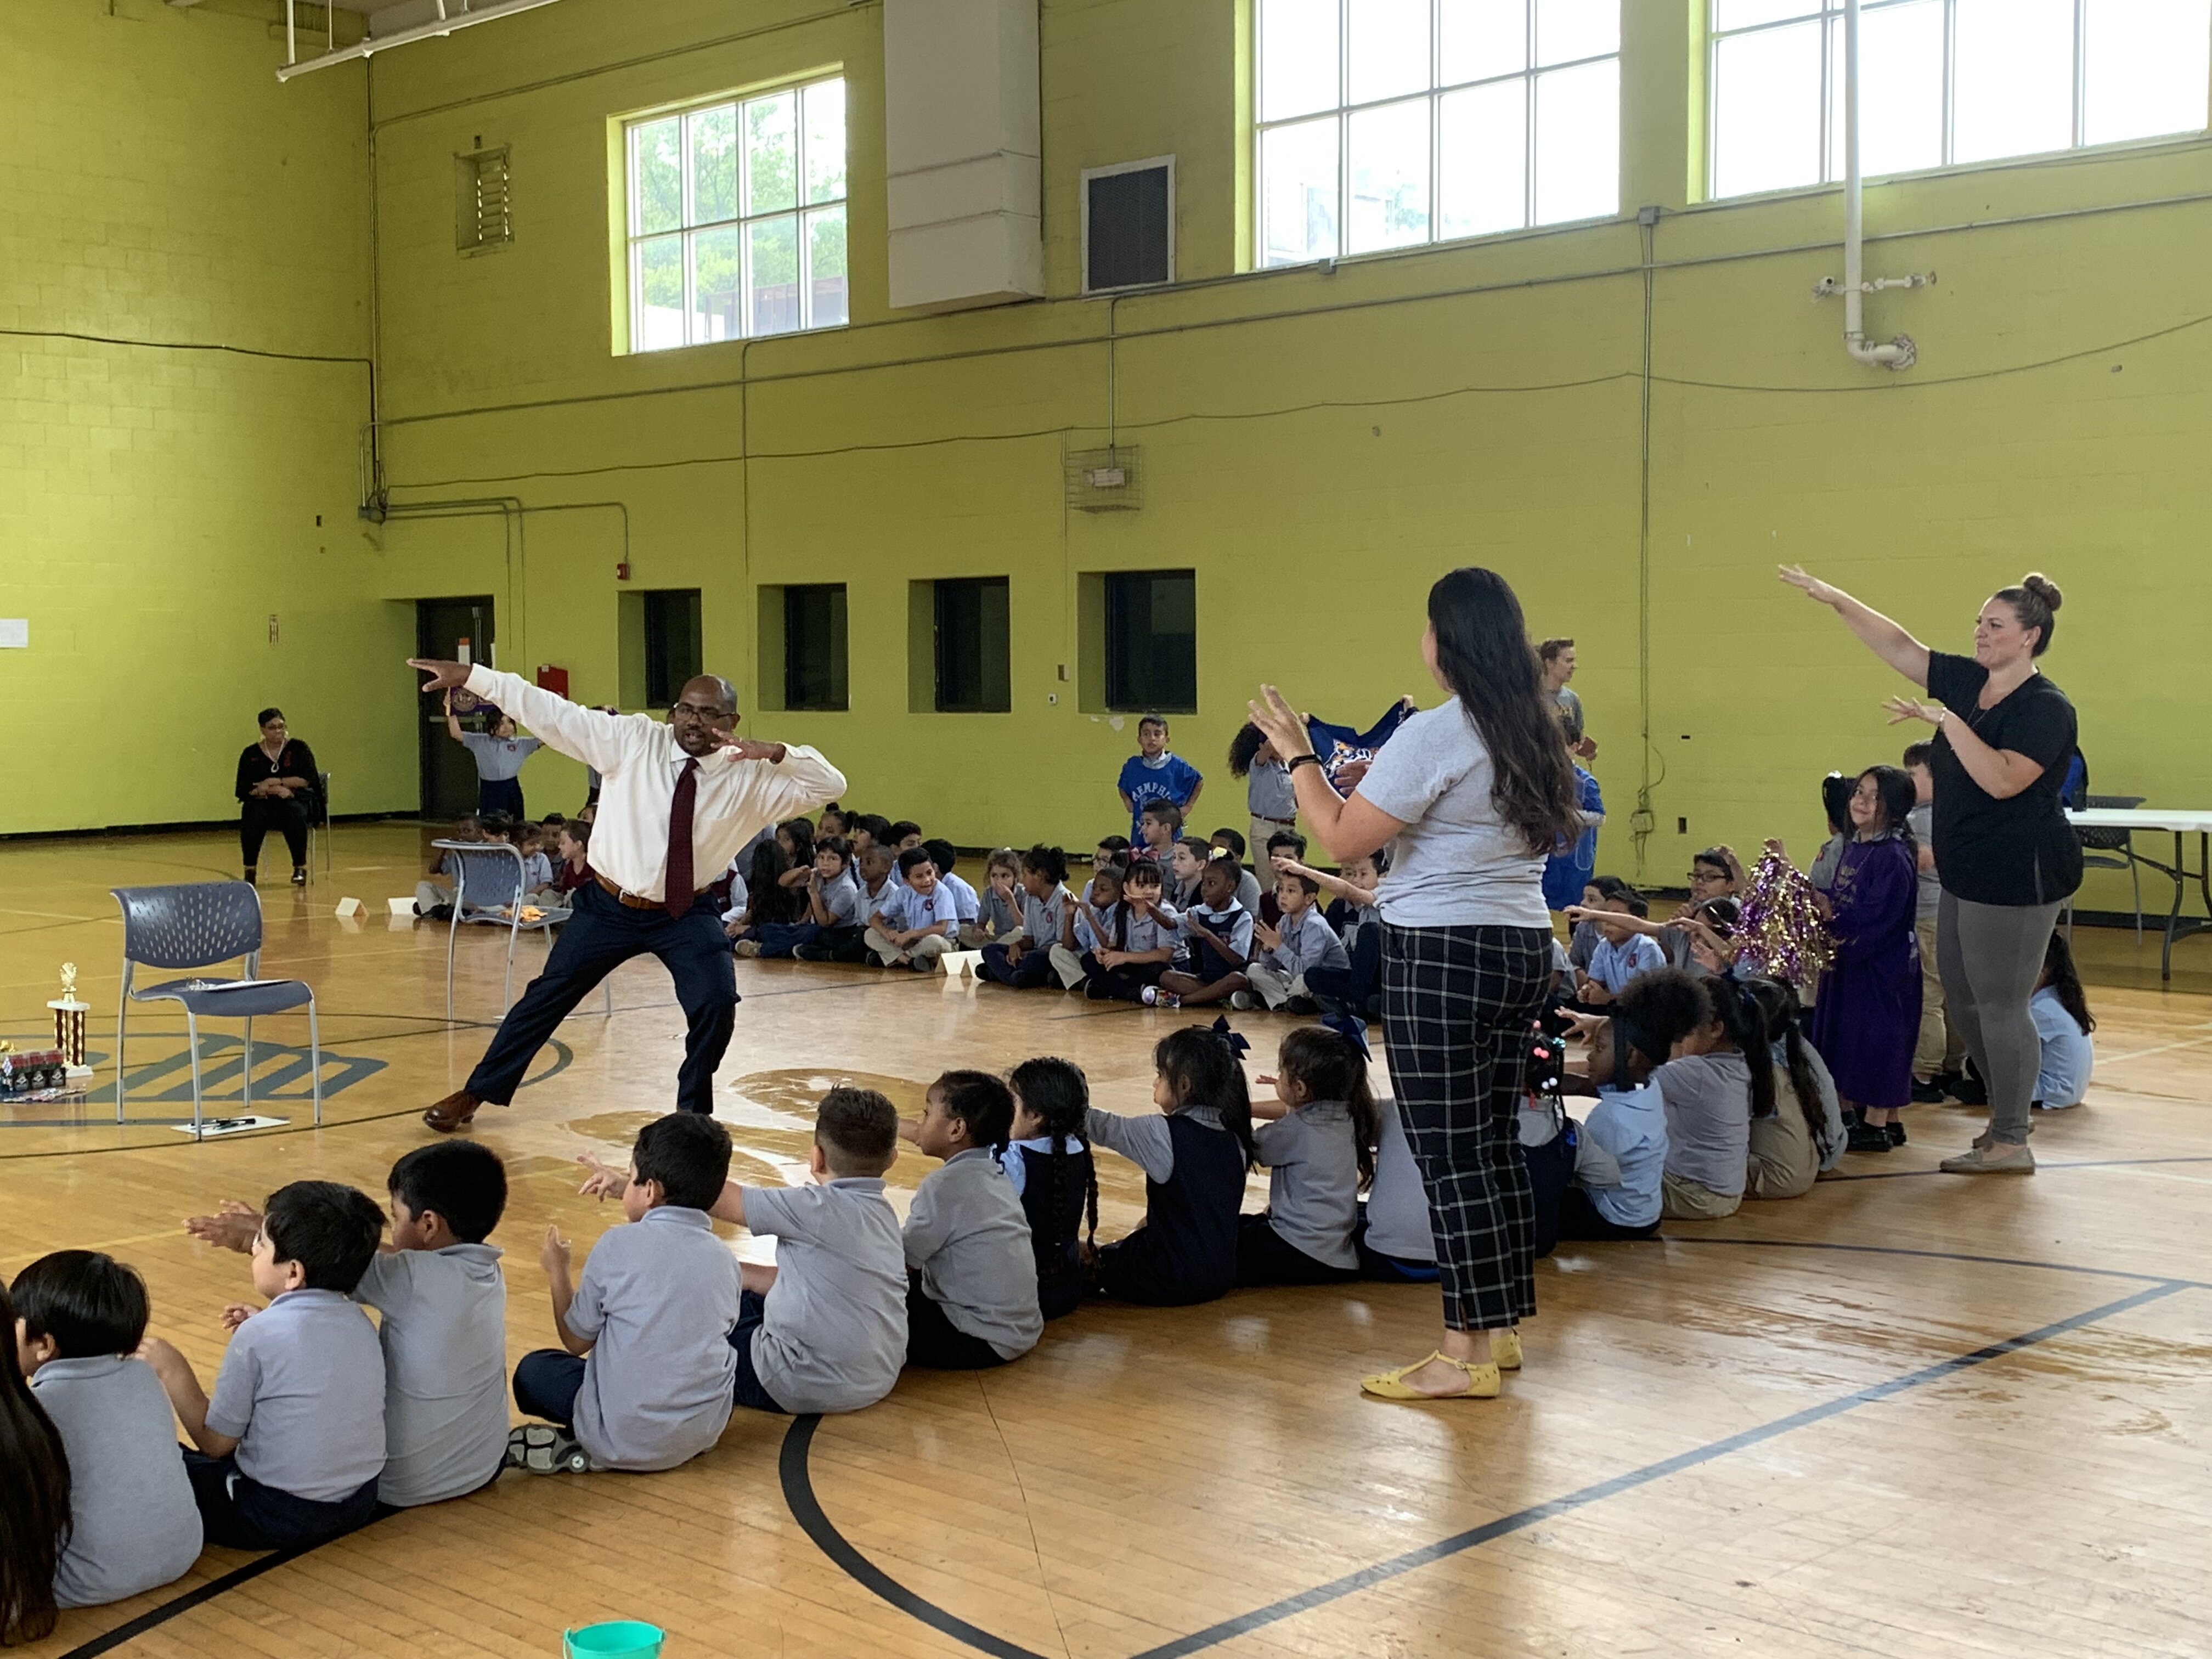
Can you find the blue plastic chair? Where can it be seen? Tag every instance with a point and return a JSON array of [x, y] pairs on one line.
[[203, 924], [488, 878]]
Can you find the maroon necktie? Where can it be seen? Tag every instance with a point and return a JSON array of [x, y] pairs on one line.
[[677, 891]]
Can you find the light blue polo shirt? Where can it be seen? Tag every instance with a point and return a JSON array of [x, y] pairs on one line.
[[301, 1390]]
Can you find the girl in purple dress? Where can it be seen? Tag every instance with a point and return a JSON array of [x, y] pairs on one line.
[[1867, 1018]]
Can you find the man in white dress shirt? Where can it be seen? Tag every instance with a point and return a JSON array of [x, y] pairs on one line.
[[651, 863]]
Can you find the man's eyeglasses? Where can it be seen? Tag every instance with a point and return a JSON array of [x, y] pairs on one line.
[[695, 711]]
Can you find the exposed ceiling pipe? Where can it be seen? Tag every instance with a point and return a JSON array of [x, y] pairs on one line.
[[445, 23], [1899, 353]]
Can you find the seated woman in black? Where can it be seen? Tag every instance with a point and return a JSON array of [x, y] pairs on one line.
[[277, 784]]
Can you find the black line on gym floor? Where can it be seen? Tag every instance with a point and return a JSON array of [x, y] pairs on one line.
[[131, 1630], [807, 1508]]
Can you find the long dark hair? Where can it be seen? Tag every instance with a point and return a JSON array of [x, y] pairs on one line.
[[1836, 802], [1739, 1014], [801, 831], [1778, 1006], [767, 899], [34, 1498], [2059, 974], [1203, 1070], [1483, 653], [1056, 1092], [1328, 1068]]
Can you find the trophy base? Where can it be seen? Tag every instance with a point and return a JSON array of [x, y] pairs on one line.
[[76, 1074]]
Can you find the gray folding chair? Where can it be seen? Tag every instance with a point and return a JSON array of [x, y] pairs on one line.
[[318, 829], [488, 887], [2098, 847], [203, 924]]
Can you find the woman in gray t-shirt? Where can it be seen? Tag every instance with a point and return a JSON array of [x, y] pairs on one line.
[[1471, 795]]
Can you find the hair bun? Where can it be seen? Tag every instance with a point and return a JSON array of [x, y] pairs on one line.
[[2043, 589]]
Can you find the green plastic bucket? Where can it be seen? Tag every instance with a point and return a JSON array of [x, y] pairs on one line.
[[630, 1639]]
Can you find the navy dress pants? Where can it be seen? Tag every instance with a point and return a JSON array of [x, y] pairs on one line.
[[600, 936]]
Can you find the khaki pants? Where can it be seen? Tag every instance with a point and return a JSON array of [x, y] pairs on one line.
[[921, 954], [1068, 964], [1682, 1200], [1273, 986], [1942, 1050], [1255, 852]]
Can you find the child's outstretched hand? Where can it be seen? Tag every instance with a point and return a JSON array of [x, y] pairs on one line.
[[237, 1313], [553, 1253], [233, 1226], [1579, 913], [604, 1180]]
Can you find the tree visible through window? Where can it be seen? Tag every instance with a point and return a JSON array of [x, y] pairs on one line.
[[1946, 82], [737, 218], [1391, 122]]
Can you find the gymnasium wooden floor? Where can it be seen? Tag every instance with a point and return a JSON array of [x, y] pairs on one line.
[[1904, 1414]]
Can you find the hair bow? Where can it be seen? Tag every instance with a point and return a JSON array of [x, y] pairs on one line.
[[1351, 1031], [1235, 1043]]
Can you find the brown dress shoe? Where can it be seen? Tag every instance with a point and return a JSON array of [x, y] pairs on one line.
[[453, 1112]]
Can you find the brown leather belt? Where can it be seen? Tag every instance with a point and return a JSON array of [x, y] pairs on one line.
[[631, 901]]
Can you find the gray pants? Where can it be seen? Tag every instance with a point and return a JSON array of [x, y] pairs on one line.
[[1990, 955]]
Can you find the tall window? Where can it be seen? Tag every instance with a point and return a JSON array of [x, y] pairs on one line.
[[1390, 123], [1152, 641], [1944, 82], [971, 640], [672, 644], [737, 218], [814, 647]]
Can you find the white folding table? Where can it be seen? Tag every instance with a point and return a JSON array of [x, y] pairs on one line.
[[2164, 821]]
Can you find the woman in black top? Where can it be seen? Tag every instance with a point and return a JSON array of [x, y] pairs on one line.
[[2008, 856], [277, 782]]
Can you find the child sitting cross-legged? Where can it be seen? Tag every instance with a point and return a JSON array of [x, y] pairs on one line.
[[999, 904], [1248, 884], [643, 1376], [1050, 1169], [971, 1298], [1299, 943], [846, 941], [916, 921], [1128, 965], [1217, 942], [1713, 1091], [1320, 1144], [1098, 920], [1195, 1156], [291, 1446], [80, 1316], [1623, 952], [443, 1302], [1025, 960], [1355, 988], [824, 1328], [1621, 1153]]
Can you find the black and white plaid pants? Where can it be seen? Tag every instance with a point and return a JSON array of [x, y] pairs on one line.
[[1456, 1007]]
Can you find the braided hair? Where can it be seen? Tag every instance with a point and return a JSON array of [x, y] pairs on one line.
[[1056, 1092]]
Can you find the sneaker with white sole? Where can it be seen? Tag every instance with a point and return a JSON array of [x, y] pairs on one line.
[[1999, 1157], [1243, 1001], [1156, 997], [541, 1449], [745, 949]]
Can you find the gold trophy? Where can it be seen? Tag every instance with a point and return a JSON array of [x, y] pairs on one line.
[[68, 1026]]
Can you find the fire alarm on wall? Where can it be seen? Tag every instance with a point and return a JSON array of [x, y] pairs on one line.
[[622, 570]]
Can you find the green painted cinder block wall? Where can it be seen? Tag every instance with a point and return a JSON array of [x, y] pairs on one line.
[[158, 505], [1317, 446]]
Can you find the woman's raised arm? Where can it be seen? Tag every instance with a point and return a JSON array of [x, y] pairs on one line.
[[1881, 635]]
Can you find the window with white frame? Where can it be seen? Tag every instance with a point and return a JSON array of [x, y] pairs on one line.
[[1946, 82], [1388, 124], [737, 218]]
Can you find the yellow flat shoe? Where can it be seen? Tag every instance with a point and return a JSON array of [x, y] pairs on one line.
[[1482, 1383], [1505, 1350]]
